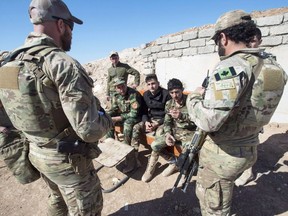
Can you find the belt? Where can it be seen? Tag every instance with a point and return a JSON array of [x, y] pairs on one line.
[[239, 151], [46, 153]]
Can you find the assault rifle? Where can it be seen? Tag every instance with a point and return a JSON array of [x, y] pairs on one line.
[[188, 160]]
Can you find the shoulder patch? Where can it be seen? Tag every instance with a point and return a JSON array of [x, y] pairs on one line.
[[225, 73]]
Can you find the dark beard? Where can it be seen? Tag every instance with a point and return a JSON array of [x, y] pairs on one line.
[[221, 49], [66, 41]]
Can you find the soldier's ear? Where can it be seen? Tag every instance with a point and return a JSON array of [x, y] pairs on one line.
[[61, 26], [223, 39]]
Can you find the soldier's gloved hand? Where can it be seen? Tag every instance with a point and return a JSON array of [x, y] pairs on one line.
[[170, 140], [101, 111]]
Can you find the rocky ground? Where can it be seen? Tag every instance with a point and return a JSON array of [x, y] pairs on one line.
[[266, 195]]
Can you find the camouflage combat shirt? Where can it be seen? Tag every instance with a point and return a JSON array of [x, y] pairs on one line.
[[235, 108], [183, 123], [70, 91], [127, 106]]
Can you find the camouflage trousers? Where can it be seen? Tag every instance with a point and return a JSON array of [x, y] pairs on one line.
[[70, 193], [128, 125], [139, 130], [219, 167], [182, 137]]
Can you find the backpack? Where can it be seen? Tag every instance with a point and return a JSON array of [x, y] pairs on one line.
[[14, 147]]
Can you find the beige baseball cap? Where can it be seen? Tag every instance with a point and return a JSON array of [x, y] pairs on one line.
[[113, 53], [49, 10], [230, 19]]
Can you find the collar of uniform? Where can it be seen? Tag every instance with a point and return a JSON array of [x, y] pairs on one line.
[[246, 50], [35, 38]]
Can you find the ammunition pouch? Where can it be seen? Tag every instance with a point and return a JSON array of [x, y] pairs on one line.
[[14, 150]]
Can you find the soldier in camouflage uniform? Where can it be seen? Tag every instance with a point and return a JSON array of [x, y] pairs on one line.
[[178, 129], [52, 103], [125, 111], [242, 95], [121, 70]]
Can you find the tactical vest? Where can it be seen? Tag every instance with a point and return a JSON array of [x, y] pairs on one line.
[[264, 91], [30, 98]]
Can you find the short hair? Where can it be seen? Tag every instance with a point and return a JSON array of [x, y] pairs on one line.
[[243, 32], [150, 77], [174, 84]]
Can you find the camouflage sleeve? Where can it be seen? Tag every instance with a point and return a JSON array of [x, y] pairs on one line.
[[226, 85], [135, 107], [168, 120], [135, 73], [77, 100], [184, 117]]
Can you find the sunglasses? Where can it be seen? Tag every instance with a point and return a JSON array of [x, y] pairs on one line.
[[67, 22]]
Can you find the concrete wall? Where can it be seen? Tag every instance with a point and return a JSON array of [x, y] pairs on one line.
[[188, 55]]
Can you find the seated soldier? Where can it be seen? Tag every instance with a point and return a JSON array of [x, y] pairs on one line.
[[178, 129], [125, 111], [155, 99]]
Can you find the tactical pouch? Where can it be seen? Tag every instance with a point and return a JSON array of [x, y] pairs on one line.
[[76, 147], [14, 152], [89, 150]]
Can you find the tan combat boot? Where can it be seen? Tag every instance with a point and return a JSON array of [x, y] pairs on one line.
[[172, 168], [147, 176]]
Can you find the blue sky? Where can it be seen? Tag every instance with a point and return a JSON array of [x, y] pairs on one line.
[[116, 25]]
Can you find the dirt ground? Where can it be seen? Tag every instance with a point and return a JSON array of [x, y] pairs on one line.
[[266, 195]]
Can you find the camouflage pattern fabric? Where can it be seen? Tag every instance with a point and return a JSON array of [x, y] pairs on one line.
[[181, 128], [63, 98], [80, 194], [14, 150], [234, 110], [129, 108], [121, 70], [139, 129]]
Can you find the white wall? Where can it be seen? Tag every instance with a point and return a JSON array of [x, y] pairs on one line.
[[191, 70]]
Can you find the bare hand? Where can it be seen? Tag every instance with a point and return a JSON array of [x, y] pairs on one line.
[[4, 130], [175, 113], [200, 90], [170, 140]]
